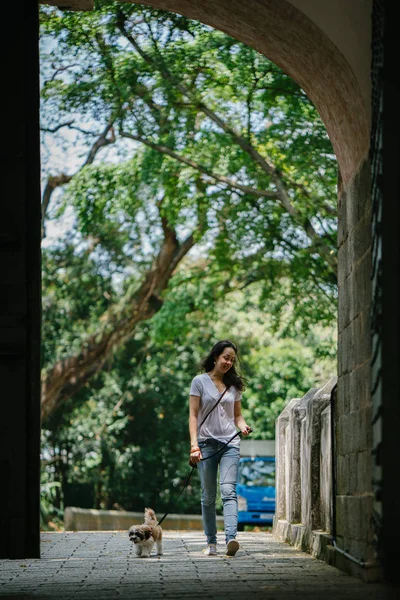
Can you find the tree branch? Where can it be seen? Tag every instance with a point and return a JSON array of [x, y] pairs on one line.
[[62, 69], [267, 166], [69, 375], [200, 168], [55, 181], [70, 125], [57, 127]]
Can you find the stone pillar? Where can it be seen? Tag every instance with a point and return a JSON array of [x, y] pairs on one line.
[[311, 492], [281, 437], [20, 285], [297, 418], [326, 470], [304, 471]]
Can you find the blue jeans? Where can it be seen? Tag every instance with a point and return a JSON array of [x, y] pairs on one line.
[[228, 461]]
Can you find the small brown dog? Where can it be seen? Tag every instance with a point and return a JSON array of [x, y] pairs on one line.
[[145, 536]]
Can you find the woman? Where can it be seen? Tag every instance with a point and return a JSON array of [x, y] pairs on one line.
[[208, 440]]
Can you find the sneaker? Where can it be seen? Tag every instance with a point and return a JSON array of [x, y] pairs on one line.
[[211, 550], [232, 547]]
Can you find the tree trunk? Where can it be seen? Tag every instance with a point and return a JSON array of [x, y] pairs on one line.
[[70, 374]]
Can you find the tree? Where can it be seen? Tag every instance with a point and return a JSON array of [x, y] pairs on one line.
[[216, 150], [131, 426]]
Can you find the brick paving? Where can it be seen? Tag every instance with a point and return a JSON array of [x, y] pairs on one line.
[[100, 565]]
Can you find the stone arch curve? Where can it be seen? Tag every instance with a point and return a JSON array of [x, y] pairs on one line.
[[291, 40], [305, 52]]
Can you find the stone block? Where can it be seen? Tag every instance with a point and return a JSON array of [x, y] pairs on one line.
[[352, 431], [326, 470], [361, 289], [296, 428], [341, 515], [358, 196], [360, 550], [342, 217], [362, 428], [281, 425], [344, 304], [353, 478], [361, 334], [345, 350], [87, 519], [360, 239], [305, 474], [343, 440], [288, 470], [353, 426], [315, 406], [319, 544], [343, 396], [360, 386], [354, 518], [364, 471], [342, 474], [344, 265], [366, 508]]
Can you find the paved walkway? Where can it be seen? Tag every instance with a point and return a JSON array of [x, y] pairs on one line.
[[99, 565]]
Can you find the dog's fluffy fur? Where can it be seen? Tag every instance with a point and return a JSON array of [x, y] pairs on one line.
[[146, 535]]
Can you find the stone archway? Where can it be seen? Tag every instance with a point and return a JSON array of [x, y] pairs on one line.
[[291, 40], [295, 43]]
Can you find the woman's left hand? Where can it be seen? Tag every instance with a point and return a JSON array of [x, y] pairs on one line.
[[246, 430]]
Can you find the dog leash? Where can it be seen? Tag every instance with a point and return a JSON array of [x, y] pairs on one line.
[[203, 459], [195, 467]]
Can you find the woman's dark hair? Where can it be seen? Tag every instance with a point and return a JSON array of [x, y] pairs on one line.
[[232, 377]]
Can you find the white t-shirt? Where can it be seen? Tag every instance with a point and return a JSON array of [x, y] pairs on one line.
[[220, 424]]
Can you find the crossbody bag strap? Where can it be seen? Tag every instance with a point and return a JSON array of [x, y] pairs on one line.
[[215, 406]]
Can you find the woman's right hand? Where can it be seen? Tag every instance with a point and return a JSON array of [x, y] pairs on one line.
[[195, 454]]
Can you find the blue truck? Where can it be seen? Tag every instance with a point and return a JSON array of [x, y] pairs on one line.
[[256, 483]]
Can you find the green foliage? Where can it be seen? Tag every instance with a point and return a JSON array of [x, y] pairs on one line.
[[51, 509], [276, 374], [170, 85], [76, 292], [128, 434], [130, 438], [202, 133]]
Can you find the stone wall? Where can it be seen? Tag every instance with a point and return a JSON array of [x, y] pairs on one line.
[[304, 472], [353, 411], [307, 515], [89, 519]]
